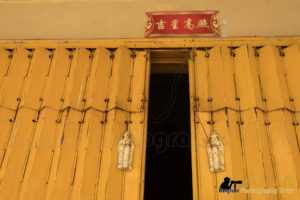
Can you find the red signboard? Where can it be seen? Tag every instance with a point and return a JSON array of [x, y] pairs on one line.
[[182, 23]]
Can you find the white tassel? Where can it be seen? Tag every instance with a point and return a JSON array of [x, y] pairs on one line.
[[215, 150], [125, 151]]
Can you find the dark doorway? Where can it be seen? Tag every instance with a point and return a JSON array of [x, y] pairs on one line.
[[168, 158]]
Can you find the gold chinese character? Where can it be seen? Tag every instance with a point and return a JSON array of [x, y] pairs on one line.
[[174, 24], [202, 23], [161, 24], [188, 24]]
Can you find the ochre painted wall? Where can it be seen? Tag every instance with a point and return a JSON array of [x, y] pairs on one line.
[[63, 111], [79, 19]]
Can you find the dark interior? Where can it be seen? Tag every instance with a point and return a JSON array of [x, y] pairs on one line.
[[168, 157]]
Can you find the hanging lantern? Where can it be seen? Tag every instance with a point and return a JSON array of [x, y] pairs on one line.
[[125, 151], [215, 150]]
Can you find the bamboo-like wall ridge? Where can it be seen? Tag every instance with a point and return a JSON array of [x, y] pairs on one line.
[[62, 114]]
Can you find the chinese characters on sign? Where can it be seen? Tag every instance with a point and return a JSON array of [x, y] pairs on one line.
[[182, 23]]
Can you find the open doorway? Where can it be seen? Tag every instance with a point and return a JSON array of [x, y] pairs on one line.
[[168, 158]]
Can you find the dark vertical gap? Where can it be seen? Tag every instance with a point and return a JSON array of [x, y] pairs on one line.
[[168, 157]]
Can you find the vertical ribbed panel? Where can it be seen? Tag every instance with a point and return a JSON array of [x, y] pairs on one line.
[[111, 179], [5, 60], [215, 79], [99, 79], [40, 157], [36, 78], [236, 149], [273, 85], [207, 181], [253, 153], [63, 177], [16, 154], [63, 111], [228, 78], [120, 82], [89, 157], [248, 95], [62, 114], [6, 116], [282, 148], [221, 128], [131, 177], [77, 79], [13, 81], [247, 80], [56, 78], [138, 82], [200, 76], [292, 67]]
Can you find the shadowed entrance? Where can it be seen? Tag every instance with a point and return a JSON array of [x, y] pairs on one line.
[[168, 158]]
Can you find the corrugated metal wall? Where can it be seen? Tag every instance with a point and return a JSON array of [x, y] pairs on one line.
[[63, 108], [250, 96], [62, 115]]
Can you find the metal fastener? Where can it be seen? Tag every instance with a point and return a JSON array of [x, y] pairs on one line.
[[240, 122]]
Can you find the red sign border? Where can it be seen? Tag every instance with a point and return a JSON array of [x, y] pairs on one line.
[[212, 12]]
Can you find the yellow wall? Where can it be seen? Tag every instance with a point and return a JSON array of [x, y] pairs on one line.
[[79, 19], [62, 114], [247, 95], [59, 134]]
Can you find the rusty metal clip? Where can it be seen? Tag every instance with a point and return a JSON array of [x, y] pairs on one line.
[[295, 123], [240, 122], [281, 53], [207, 54], [133, 55], [103, 122], [256, 54]]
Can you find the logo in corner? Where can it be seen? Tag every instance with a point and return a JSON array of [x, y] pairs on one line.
[[225, 187]]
